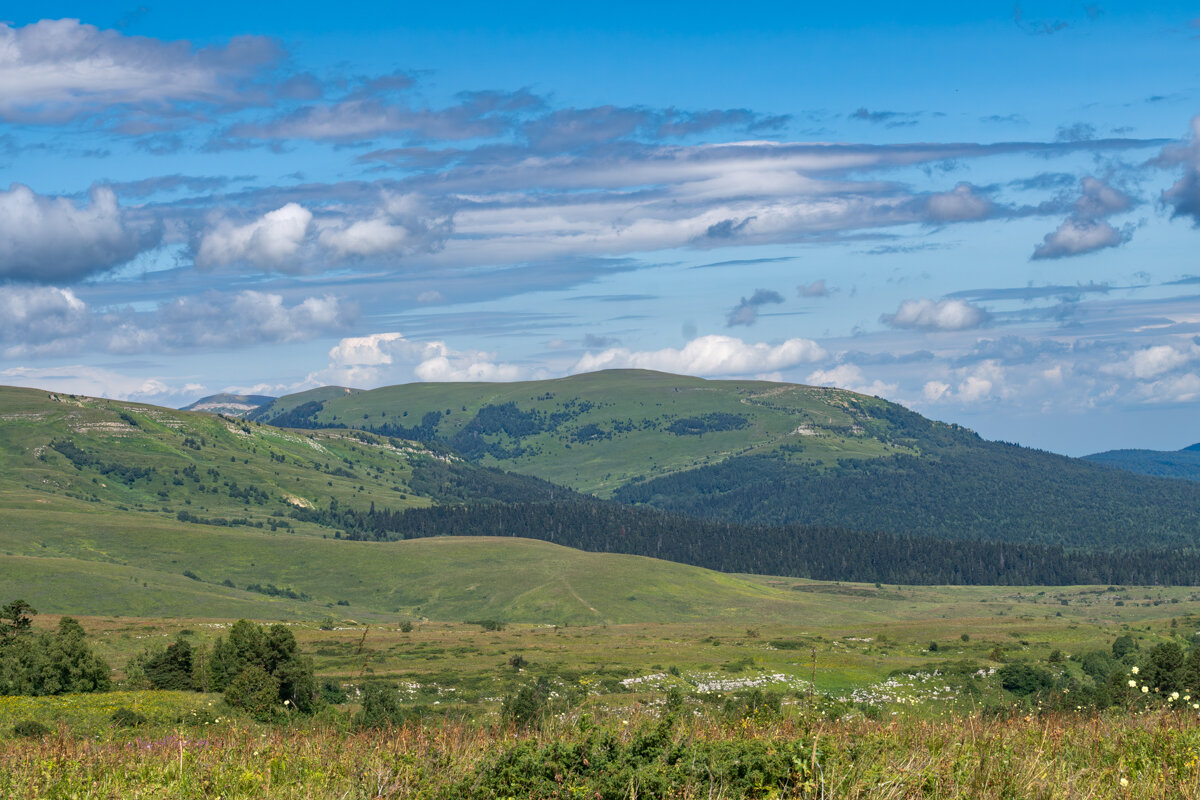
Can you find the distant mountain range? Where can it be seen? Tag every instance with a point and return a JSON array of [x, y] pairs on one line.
[[1183, 463]]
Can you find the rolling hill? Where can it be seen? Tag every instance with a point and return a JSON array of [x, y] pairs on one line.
[[1183, 463], [111, 507], [761, 453], [599, 431]]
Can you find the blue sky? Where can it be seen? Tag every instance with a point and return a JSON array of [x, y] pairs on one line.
[[987, 213]]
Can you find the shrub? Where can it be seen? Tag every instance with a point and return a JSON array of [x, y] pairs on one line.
[[381, 706], [254, 691], [332, 693], [30, 729], [125, 717], [527, 706], [1024, 679]]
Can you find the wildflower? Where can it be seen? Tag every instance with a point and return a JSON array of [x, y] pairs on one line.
[[1174, 695], [1124, 782], [1145, 689], [1132, 684], [1134, 670]]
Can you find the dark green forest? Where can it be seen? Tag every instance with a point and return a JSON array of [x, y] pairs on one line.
[[802, 551], [992, 492], [1183, 463]]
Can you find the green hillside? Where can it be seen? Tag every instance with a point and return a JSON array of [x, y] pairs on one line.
[[156, 461], [753, 452], [1183, 463], [599, 431], [110, 507]]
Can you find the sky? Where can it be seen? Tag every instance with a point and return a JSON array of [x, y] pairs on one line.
[[987, 211]]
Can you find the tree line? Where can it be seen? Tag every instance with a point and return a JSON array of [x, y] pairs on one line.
[[802, 551]]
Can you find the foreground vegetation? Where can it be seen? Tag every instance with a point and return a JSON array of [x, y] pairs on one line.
[[886, 692], [647, 755]]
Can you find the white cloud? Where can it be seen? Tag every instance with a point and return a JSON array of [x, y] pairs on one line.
[[272, 241], [943, 315], [468, 367], [47, 239], [933, 391], [218, 320], [1075, 237], [961, 204], [707, 355], [40, 319], [849, 376], [1150, 362], [382, 358], [55, 70], [1097, 199], [292, 239], [974, 389], [1183, 388], [94, 382]]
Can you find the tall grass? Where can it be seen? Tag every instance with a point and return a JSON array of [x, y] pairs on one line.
[[1152, 755]]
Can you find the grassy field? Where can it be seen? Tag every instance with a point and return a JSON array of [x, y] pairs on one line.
[[635, 754]]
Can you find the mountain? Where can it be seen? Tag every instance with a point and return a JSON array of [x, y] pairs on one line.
[[119, 507], [110, 507], [599, 431], [233, 405], [763, 453], [1183, 463]]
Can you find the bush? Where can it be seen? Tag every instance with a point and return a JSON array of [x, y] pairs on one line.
[[487, 624], [333, 693], [381, 706], [272, 650], [1023, 679], [125, 717], [527, 707], [254, 691], [30, 729]]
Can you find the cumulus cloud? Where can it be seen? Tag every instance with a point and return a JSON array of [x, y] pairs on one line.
[[814, 289], [961, 204], [272, 241], [1075, 237], [220, 320], [40, 319], [49, 239], [1097, 199], [57, 70], [1183, 388], [746, 312], [391, 358], [400, 225], [1151, 362], [849, 376], [1184, 195], [707, 355], [291, 239], [987, 380], [1087, 230], [936, 315]]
